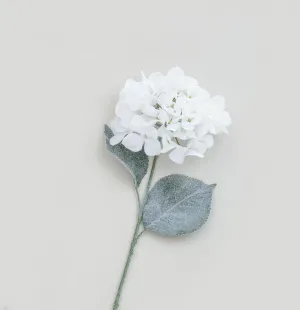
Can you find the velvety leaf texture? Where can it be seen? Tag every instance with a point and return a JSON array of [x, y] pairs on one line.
[[177, 205], [136, 163]]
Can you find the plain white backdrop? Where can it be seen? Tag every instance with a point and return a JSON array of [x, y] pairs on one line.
[[67, 208]]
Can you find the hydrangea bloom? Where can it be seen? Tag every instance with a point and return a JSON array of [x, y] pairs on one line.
[[168, 114]]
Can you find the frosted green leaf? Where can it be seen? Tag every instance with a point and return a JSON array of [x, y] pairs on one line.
[[177, 205], [135, 162]]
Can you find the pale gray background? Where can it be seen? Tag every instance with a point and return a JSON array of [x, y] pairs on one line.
[[67, 208]]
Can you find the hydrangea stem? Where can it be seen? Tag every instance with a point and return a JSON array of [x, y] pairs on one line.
[[136, 235], [129, 257]]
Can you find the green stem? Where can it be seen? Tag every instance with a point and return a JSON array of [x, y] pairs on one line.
[[129, 257], [136, 235], [151, 174], [149, 184]]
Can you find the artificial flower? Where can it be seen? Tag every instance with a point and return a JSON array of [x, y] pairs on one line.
[[168, 114]]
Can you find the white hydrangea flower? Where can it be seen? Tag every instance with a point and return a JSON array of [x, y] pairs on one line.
[[168, 114]]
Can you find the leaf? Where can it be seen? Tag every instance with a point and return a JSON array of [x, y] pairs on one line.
[[177, 205], [135, 162]]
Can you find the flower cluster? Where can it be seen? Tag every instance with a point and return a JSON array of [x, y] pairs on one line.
[[168, 114]]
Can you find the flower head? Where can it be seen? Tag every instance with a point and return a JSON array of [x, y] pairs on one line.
[[168, 114]]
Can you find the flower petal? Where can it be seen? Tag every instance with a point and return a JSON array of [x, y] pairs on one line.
[[123, 111], [116, 125], [194, 153], [163, 132], [196, 92], [208, 140], [189, 82], [151, 132], [178, 154], [196, 148], [157, 81], [175, 71], [150, 110], [202, 130], [173, 127], [226, 119], [167, 144], [133, 142], [163, 116], [140, 124], [166, 98], [152, 147], [117, 138], [187, 125]]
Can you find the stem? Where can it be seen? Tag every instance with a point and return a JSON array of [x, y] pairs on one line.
[[140, 234], [136, 235], [150, 178], [138, 198], [129, 257]]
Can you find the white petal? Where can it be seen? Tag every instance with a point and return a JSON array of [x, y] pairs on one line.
[[168, 147], [139, 123], [187, 125], [179, 134], [129, 84], [151, 132], [178, 154], [212, 129], [175, 71], [152, 147], [167, 144], [196, 120], [157, 81], [174, 112], [181, 101], [166, 98], [226, 119], [117, 138], [189, 82], [134, 94], [197, 148], [208, 140], [198, 93], [190, 134], [163, 132], [150, 110], [154, 76], [173, 127], [133, 142], [202, 130], [163, 116], [218, 122], [123, 111], [116, 125], [194, 153]]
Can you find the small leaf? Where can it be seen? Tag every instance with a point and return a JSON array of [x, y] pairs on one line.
[[135, 162], [177, 205]]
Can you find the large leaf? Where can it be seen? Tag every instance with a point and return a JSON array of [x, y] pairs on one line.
[[177, 205], [135, 162]]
